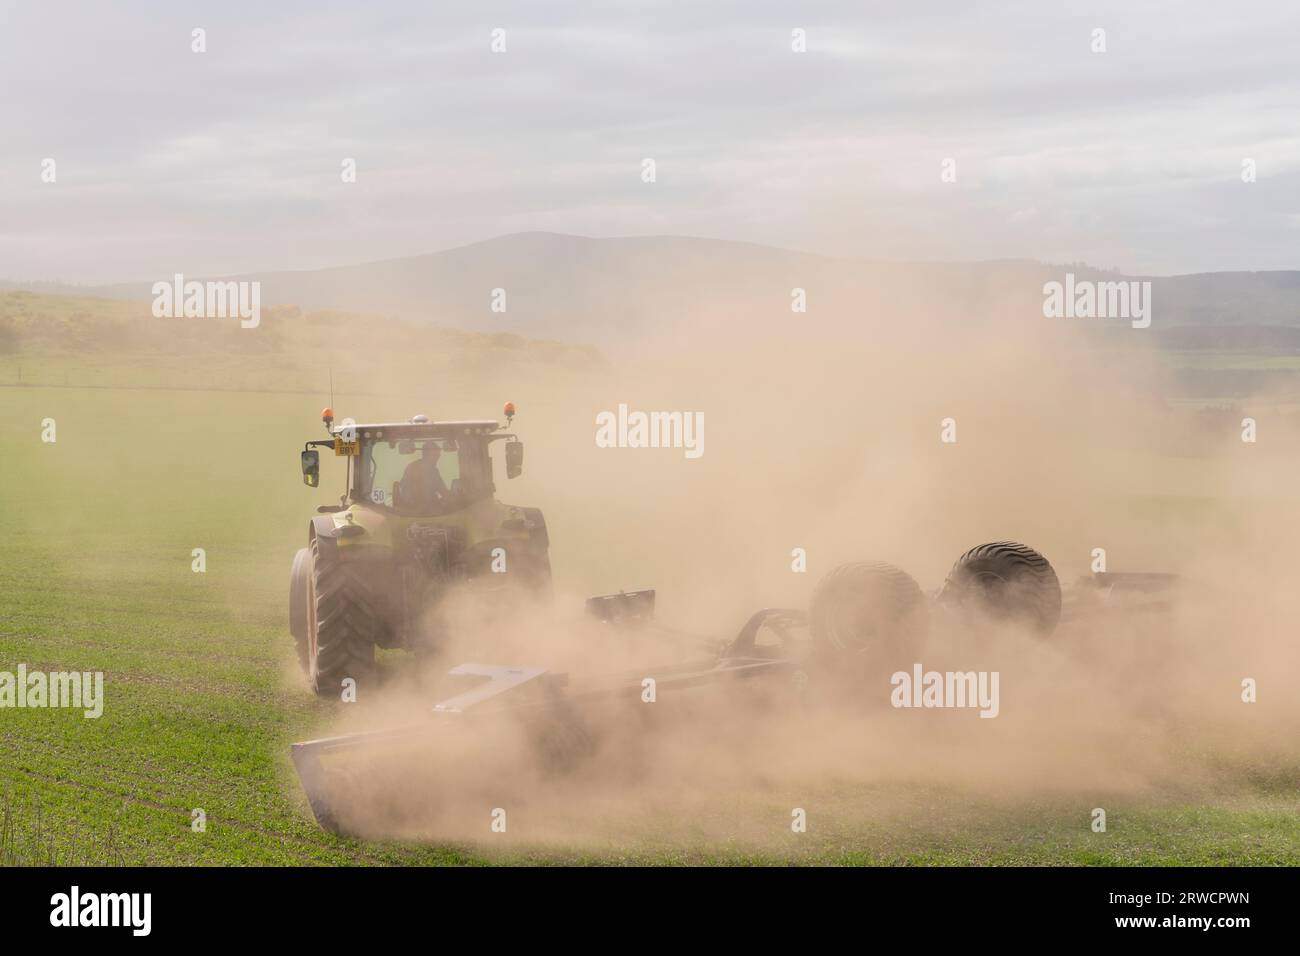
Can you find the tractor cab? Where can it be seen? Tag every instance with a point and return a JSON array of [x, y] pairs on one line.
[[416, 467]]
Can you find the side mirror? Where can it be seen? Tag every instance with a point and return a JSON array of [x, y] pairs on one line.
[[514, 459], [311, 467]]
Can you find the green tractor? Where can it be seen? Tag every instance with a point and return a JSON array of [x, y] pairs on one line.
[[419, 519]]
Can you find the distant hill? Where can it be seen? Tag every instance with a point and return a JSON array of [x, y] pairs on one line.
[[623, 291], [81, 340]]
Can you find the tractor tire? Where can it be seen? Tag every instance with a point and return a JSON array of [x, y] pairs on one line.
[[538, 579], [343, 624], [1006, 580], [865, 606], [299, 592]]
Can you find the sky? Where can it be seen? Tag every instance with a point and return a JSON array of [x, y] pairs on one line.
[[230, 160]]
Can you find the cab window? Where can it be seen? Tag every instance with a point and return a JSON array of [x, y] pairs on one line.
[[417, 476]]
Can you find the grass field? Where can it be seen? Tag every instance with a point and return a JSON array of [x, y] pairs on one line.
[[202, 701], [203, 698]]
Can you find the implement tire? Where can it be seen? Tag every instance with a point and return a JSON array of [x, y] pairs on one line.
[[1006, 580], [864, 606]]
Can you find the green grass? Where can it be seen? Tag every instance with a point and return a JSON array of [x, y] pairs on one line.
[[203, 698], [1224, 359]]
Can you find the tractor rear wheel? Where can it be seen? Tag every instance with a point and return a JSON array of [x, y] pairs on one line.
[[343, 626], [1006, 580], [537, 577], [866, 606], [299, 592]]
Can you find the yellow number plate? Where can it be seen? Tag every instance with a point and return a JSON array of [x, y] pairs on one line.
[[347, 449]]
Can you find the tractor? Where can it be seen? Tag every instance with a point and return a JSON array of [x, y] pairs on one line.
[[420, 523], [419, 520]]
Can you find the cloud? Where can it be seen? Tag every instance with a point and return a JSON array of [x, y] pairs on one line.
[[229, 160]]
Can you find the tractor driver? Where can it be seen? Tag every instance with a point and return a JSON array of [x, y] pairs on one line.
[[422, 486]]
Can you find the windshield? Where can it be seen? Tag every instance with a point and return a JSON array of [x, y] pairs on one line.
[[417, 476]]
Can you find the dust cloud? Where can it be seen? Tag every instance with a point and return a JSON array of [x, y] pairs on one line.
[[826, 437]]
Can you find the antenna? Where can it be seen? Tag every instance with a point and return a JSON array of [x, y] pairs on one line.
[[331, 386]]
